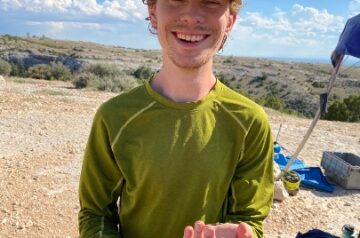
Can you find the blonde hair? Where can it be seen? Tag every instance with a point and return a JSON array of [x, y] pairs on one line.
[[234, 5]]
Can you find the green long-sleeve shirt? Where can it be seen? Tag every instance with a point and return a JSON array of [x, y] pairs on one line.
[[153, 166]]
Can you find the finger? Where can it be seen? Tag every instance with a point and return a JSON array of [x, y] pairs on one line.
[[188, 232], [244, 230], [209, 232], [199, 227]]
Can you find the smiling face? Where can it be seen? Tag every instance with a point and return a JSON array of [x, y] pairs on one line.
[[191, 31]]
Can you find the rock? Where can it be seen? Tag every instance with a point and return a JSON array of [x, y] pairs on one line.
[[29, 223], [4, 221], [30, 58], [280, 193]]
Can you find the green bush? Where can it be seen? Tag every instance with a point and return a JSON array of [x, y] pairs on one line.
[[82, 80], [54, 71], [259, 79], [5, 68], [226, 79], [18, 69], [40, 71], [118, 83], [353, 105], [143, 72], [345, 110], [273, 102], [60, 71], [103, 70]]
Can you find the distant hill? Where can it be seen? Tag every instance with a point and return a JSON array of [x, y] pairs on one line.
[[297, 84]]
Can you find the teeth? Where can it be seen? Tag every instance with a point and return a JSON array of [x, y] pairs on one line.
[[192, 38]]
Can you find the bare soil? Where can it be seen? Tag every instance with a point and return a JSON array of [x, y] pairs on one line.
[[44, 126]]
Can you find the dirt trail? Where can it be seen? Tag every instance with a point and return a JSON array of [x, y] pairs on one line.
[[43, 130]]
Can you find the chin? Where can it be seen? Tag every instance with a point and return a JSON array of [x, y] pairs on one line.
[[191, 63]]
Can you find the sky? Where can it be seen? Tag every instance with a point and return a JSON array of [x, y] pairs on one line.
[[307, 29]]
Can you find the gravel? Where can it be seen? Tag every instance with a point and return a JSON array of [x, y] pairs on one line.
[[44, 126]]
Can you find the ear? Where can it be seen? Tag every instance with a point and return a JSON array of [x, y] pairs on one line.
[[231, 22], [152, 15]]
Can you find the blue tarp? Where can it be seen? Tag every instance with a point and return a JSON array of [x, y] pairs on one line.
[[349, 42], [310, 176], [282, 161], [314, 178]]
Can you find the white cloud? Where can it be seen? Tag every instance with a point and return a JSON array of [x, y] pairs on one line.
[[127, 10], [61, 26], [310, 19], [354, 7], [7, 5], [51, 25], [35, 5], [87, 7], [257, 20], [302, 30]]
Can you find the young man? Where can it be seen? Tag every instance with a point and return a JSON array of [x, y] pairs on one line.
[[183, 149]]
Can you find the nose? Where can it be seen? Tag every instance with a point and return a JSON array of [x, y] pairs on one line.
[[192, 15]]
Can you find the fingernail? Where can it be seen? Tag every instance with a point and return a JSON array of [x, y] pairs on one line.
[[187, 232]]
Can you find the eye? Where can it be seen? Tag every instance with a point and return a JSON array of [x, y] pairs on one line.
[[213, 3], [176, 2]]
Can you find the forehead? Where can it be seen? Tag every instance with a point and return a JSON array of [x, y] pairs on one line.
[[156, 1]]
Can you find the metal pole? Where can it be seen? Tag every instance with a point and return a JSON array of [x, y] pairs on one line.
[[313, 123]]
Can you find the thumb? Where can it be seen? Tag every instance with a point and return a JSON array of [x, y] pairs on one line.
[[244, 231]]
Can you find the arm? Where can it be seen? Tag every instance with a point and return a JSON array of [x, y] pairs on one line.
[[100, 184], [252, 187]]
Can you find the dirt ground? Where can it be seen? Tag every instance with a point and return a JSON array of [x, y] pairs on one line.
[[43, 130]]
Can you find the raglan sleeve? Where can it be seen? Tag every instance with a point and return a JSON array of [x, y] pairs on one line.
[[252, 187], [100, 183]]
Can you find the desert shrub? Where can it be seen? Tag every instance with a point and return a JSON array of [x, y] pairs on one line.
[[117, 83], [5, 68], [59, 71], [143, 72], [40, 71], [302, 105], [18, 69], [259, 79], [103, 70], [273, 102], [82, 80], [228, 61], [345, 110], [226, 79], [319, 84], [54, 71], [353, 105]]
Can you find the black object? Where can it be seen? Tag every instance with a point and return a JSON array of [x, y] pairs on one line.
[[316, 233], [323, 103]]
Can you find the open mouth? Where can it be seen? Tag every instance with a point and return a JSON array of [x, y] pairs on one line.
[[190, 38]]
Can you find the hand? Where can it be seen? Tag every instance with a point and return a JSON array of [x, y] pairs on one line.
[[227, 230]]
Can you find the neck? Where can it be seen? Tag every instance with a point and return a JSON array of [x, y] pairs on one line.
[[184, 84]]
